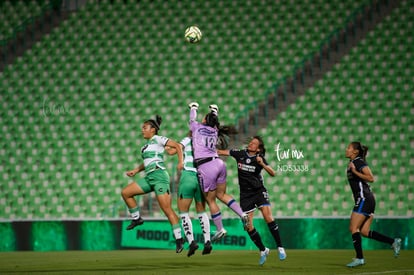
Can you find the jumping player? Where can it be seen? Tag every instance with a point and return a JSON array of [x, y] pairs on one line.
[[211, 169], [188, 189], [253, 194], [156, 179]]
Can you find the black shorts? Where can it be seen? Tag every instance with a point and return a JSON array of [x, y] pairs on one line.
[[365, 206], [251, 200]]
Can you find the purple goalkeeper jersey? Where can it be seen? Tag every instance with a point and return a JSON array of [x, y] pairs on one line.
[[204, 138]]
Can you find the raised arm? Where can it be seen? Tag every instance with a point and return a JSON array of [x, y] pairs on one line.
[[179, 151], [223, 152], [170, 150], [366, 172], [193, 111], [266, 167], [132, 173]]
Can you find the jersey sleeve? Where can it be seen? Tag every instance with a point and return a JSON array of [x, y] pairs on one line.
[[185, 141], [161, 140], [236, 153], [360, 164], [193, 122], [193, 114]]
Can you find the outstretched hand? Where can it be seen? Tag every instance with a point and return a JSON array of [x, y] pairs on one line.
[[193, 105], [214, 108], [131, 173]]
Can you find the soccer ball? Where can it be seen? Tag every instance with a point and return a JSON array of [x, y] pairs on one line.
[[192, 34]]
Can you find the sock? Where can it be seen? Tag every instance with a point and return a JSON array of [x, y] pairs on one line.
[[379, 237], [255, 237], [235, 207], [274, 230], [205, 225], [217, 220], [177, 231], [187, 226], [134, 213], [356, 239]]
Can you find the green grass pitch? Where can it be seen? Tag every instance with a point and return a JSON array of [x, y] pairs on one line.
[[219, 262]]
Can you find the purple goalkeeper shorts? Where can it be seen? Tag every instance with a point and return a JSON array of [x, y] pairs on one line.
[[211, 173]]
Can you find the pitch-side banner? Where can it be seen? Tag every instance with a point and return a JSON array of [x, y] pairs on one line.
[[158, 234], [306, 233]]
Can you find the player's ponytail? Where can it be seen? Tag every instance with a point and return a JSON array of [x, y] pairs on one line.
[[155, 123], [362, 149], [224, 133]]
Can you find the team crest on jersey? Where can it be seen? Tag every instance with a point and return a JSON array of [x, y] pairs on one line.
[[248, 161]]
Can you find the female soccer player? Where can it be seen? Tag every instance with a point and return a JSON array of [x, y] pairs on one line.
[[188, 189], [210, 168], [156, 178], [358, 174], [253, 194]]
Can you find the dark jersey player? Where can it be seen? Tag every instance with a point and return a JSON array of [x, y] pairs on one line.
[[359, 174], [253, 194]]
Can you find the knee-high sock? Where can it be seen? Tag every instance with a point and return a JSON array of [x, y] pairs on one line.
[[217, 219], [205, 225], [379, 237], [255, 237], [356, 239], [235, 207], [274, 229], [187, 226], [177, 231]]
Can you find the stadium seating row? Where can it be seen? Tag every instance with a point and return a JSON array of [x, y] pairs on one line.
[[355, 101], [73, 104]]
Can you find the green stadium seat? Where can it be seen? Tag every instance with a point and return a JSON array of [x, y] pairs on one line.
[[116, 67]]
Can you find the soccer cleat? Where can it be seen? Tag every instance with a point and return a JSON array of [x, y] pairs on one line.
[[246, 222], [263, 256], [207, 248], [134, 223], [356, 262], [179, 243], [218, 235], [282, 253], [396, 246], [192, 248]]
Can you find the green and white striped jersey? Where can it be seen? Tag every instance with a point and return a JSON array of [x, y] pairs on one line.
[[153, 153], [188, 155]]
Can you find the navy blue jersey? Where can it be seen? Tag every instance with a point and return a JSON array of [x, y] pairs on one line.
[[249, 171], [359, 187]]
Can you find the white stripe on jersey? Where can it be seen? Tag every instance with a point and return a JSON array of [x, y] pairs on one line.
[[188, 155], [361, 190], [153, 153]]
